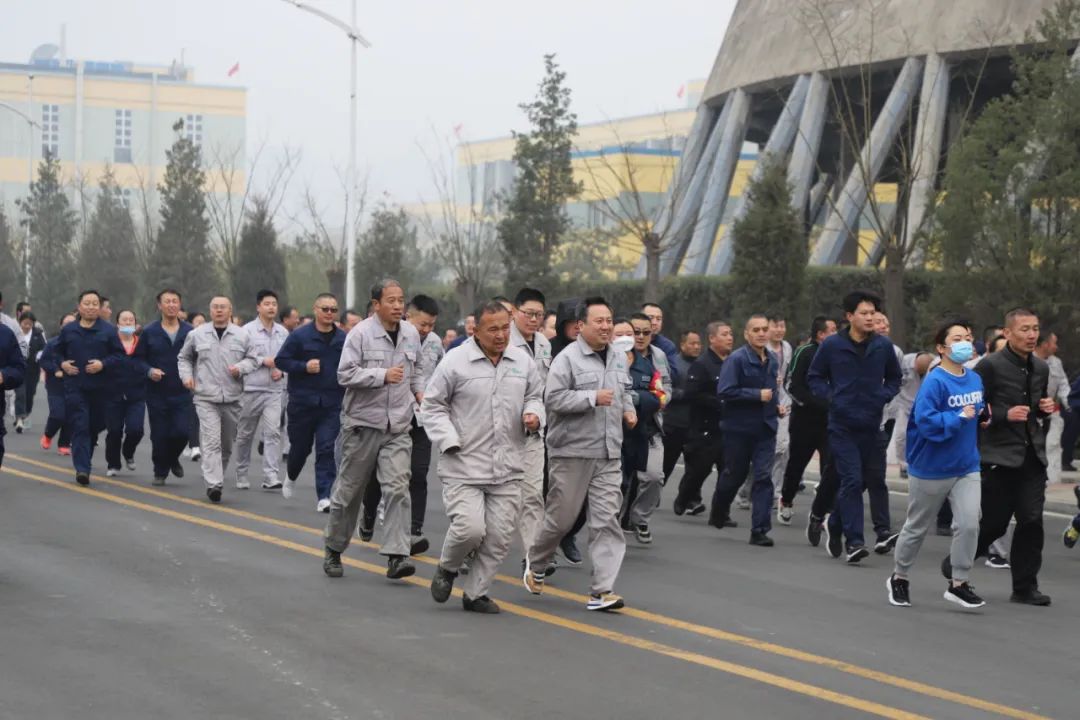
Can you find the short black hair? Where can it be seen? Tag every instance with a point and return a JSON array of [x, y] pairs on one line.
[[285, 312], [581, 313], [755, 316], [263, 294], [685, 335], [425, 304], [84, 293], [377, 288], [640, 316], [330, 295], [818, 325], [774, 317], [656, 305], [621, 320], [853, 299], [489, 307], [528, 294], [169, 291], [104, 298], [1044, 336], [713, 328], [501, 299], [350, 311], [1017, 313], [943, 327], [27, 316], [19, 307]]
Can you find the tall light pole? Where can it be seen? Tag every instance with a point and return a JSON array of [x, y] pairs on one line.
[[30, 125], [352, 193]]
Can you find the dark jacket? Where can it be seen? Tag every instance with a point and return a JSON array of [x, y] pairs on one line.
[[156, 350], [37, 345], [131, 375], [321, 389], [50, 363], [1010, 380], [677, 412], [857, 380], [81, 345], [706, 410], [12, 366], [742, 379], [670, 350], [564, 313], [805, 406]]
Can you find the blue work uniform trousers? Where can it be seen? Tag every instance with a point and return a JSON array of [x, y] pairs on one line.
[[741, 450], [858, 458], [319, 426], [124, 430], [86, 411], [169, 426]]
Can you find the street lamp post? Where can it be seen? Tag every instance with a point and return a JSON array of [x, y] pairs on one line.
[[30, 125], [352, 194]]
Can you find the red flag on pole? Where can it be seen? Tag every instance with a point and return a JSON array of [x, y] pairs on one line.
[[234, 69]]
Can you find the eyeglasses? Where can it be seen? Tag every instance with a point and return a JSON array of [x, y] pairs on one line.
[[532, 314], [328, 309], [643, 333]]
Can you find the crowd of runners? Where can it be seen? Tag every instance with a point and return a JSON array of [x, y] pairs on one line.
[[546, 421]]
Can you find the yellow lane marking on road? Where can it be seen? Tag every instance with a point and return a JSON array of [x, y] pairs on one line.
[[750, 673], [655, 618]]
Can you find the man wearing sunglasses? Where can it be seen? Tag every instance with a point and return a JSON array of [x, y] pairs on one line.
[[310, 358]]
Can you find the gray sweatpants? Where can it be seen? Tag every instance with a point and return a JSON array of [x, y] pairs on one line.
[[925, 498], [365, 449], [217, 431], [650, 484], [531, 513], [482, 519], [260, 417], [781, 454], [570, 482]]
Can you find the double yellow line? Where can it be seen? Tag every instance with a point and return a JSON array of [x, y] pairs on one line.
[[751, 673]]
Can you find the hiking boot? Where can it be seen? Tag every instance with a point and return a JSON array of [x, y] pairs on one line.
[[331, 563], [442, 584], [398, 567]]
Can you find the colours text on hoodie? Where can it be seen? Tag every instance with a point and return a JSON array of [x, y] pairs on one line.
[[941, 442]]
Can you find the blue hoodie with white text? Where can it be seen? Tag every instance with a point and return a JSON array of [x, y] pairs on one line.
[[941, 442]]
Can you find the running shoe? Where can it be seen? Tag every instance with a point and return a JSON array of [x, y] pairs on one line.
[[19, 425], [442, 584], [65, 451], [534, 582], [643, 534], [331, 564], [856, 553], [418, 544], [130, 463], [243, 485], [784, 513], [1031, 597], [214, 494], [696, 509], [604, 601], [82, 478], [964, 596], [271, 485], [158, 481], [997, 562], [482, 604], [899, 591], [177, 470], [287, 489], [742, 503], [761, 539], [814, 528], [46, 442], [111, 472], [323, 505], [834, 544], [1070, 537], [398, 567], [569, 549], [196, 454], [886, 543]]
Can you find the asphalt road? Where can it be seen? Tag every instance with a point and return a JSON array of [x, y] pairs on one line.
[[125, 601]]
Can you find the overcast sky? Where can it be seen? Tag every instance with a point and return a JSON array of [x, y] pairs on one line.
[[434, 64]]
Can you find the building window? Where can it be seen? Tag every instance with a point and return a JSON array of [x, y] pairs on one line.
[[122, 137], [193, 128], [50, 130]]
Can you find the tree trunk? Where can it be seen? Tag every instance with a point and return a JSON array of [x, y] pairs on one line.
[[466, 296], [895, 303], [652, 268], [335, 277]]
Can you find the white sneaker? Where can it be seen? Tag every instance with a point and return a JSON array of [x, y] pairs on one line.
[[323, 506], [742, 503], [110, 472], [187, 452], [287, 489], [196, 454], [243, 485], [784, 513]]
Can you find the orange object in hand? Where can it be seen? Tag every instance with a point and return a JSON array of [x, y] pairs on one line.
[[656, 387]]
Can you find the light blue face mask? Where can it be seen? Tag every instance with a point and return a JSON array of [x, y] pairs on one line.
[[126, 329], [961, 351]]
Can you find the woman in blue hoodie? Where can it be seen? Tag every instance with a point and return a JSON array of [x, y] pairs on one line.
[[943, 462]]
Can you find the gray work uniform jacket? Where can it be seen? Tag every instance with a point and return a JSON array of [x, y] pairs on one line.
[[432, 351], [577, 427], [477, 407], [541, 356], [368, 354], [207, 359], [264, 343]]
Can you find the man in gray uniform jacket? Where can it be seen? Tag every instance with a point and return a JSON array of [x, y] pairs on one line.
[[480, 403], [525, 334], [587, 399], [214, 358], [382, 371]]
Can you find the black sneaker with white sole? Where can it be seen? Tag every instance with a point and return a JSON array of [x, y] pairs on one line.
[[964, 596], [886, 543], [997, 562], [899, 591], [814, 526], [855, 553], [834, 543]]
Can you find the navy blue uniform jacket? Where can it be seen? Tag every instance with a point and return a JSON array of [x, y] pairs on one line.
[[857, 379], [306, 390]]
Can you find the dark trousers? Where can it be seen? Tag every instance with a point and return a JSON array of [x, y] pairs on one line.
[[741, 450], [1070, 435], [809, 435], [124, 430], [1019, 492], [170, 422], [858, 458], [420, 463], [56, 422], [316, 426], [85, 411], [24, 396], [702, 454], [192, 425], [675, 439]]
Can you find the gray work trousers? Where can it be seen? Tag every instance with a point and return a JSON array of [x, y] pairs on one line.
[[260, 417], [650, 484], [363, 450], [531, 514], [571, 482], [482, 519], [925, 498], [217, 431]]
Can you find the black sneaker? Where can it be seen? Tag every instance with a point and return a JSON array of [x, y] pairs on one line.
[[441, 584], [834, 544], [548, 572], [399, 567], [1031, 597], [946, 567], [331, 563], [82, 478], [177, 470], [899, 591], [886, 543], [997, 562], [679, 507], [643, 534], [855, 553], [214, 494], [158, 481], [570, 551], [724, 522], [482, 604], [419, 544], [964, 596], [944, 530], [696, 509], [761, 539], [814, 526], [365, 533]]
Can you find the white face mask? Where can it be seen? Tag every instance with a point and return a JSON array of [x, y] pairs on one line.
[[623, 343]]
